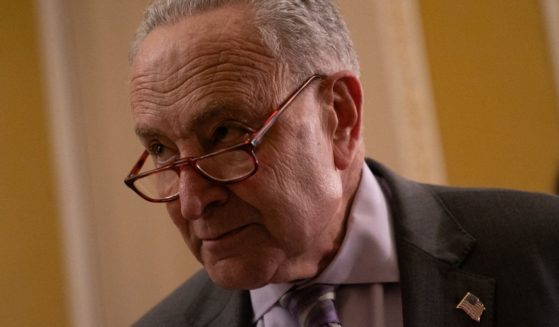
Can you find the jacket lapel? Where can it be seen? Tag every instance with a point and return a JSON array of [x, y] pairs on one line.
[[431, 248], [431, 291]]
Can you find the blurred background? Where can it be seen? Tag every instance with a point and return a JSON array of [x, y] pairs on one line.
[[456, 92]]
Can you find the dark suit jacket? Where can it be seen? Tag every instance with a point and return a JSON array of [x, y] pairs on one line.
[[501, 245]]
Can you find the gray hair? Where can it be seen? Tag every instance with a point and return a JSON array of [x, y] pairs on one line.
[[309, 36]]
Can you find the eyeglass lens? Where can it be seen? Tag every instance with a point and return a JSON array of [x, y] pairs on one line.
[[223, 167]]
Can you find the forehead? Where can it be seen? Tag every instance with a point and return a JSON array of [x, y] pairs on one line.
[[221, 29], [208, 59]]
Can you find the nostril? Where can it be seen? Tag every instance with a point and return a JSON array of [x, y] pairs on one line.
[[202, 200]]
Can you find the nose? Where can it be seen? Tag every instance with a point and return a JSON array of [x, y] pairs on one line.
[[197, 195]]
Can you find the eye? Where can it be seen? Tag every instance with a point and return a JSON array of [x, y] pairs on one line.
[[229, 134], [156, 149], [160, 153]]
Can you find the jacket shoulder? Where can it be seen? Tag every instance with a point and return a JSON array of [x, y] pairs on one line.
[[539, 210], [199, 302], [171, 310]]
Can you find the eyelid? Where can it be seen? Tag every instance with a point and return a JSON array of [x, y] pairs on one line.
[[233, 123], [149, 144]]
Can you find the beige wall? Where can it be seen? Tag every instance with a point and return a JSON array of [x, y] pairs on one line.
[[31, 279], [494, 91]]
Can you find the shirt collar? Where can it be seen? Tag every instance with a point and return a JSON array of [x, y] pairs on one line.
[[367, 254]]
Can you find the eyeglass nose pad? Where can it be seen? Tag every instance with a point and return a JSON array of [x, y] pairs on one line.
[[197, 194]]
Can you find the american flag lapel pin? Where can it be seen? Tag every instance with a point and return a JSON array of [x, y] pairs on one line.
[[472, 306]]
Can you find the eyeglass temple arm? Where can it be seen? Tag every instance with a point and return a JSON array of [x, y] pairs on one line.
[[257, 138]]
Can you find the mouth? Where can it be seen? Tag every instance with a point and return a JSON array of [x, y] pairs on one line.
[[226, 235], [232, 243]]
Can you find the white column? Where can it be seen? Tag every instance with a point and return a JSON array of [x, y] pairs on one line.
[[70, 162], [400, 120]]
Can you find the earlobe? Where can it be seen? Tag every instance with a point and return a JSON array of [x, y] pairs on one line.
[[346, 100]]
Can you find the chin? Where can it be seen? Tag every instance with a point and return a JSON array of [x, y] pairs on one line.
[[242, 273], [233, 279]]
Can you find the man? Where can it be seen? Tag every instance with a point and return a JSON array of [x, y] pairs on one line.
[[250, 113]]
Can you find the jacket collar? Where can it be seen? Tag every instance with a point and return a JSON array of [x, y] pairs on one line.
[[423, 220], [431, 248]]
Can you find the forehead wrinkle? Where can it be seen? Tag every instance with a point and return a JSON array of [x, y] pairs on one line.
[[212, 94], [246, 49], [194, 51], [192, 66], [176, 87], [189, 60], [208, 91]]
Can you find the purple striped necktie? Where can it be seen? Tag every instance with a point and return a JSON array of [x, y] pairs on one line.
[[312, 306]]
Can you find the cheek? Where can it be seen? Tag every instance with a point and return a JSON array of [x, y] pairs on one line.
[[297, 171], [291, 196]]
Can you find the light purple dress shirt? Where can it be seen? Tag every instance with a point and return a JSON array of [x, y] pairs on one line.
[[365, 268]]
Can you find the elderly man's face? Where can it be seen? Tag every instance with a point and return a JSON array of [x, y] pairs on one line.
[[197, 86]]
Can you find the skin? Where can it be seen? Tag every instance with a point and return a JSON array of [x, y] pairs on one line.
[[189, 81]]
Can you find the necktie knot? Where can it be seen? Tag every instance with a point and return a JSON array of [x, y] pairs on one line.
[[312, 306]]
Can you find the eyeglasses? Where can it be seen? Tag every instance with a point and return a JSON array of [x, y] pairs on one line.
[[225, 166]]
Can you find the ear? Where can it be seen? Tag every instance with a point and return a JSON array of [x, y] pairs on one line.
[[344, 95]]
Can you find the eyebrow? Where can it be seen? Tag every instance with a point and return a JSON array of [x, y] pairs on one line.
[[214, 110], [146, 132], [226, 109]]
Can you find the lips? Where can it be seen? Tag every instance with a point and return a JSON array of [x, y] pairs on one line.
[[228, 244], [224, 235]]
